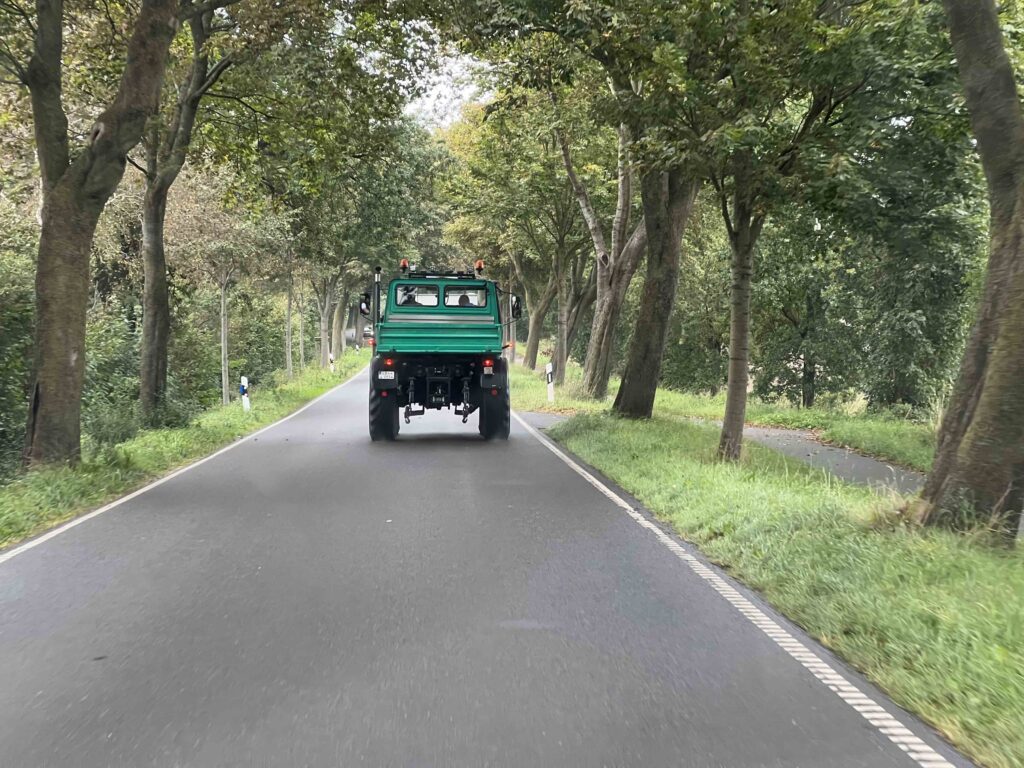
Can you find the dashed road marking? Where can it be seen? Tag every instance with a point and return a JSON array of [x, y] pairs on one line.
[[868, 708]]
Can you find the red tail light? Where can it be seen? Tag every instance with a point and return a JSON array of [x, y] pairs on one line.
[[389, 362], [488, 362]]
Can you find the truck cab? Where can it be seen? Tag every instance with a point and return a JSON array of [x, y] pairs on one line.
[[438, 343]]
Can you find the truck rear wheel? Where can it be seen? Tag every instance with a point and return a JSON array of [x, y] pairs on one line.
[[384, 416], [496, 415]]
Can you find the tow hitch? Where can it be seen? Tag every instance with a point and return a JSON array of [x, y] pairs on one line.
[[467, 409]]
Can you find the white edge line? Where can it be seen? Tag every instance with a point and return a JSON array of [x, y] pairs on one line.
[[916, 749], [11, 554]]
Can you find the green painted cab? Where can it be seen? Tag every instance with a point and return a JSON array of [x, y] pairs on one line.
[[427, 315]]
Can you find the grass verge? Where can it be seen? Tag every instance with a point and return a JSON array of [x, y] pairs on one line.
[[933, 618], [43, 498], [902, 441]]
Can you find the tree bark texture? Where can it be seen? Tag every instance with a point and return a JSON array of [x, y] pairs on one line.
[[668, 199], [612, 285], [156, 311], [978, 474], [74, 194]]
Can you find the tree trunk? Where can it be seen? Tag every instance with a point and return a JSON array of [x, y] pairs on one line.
[[731, 440], [225, 386], [338, 327], [302, 332], [615, 268], [325, 338], [597, 368], [978, 473], [668, 199], [62, 295], [288, 365], [156, 312], [74, 194], [807, 376], [536, 325], [808, 332], [744, 228], [166, 156], [584, 301], [561, 356]]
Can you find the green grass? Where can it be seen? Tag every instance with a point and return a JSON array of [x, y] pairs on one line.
[[935, 619], [901, 441], [43, 498]]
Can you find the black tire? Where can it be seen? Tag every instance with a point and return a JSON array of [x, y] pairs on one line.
[[496, 415], [384, 416]]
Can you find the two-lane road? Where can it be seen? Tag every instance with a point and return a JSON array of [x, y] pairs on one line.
[[310, 598]]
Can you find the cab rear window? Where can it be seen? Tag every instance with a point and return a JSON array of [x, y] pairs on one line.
[[465, 297], [413, 295]]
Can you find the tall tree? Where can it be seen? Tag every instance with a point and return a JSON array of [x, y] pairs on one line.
[[327, 67], [78, 176], [166, 149], [514, 191], [978, 474], [627, 40]]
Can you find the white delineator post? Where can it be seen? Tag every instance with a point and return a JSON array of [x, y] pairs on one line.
[[549, 371], [243, 390]]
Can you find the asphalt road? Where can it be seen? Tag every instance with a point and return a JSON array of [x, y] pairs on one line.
[[310, 598]]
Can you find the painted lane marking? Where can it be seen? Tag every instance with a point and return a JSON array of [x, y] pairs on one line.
[[868, 708], [11, 554]]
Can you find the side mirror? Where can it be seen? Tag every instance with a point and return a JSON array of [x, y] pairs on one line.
[[364, 305], [517, 307]]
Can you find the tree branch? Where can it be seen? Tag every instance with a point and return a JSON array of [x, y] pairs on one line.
[[242, 101], [586, 206], [214, 75], [15, 9], [44, 80], [132, 162]]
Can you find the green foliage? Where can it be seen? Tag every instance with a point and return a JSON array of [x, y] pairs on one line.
[[111, 373], [931, 617], [17, 244], [696, 353]]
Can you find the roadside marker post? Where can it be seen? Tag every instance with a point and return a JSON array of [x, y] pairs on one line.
[[243, 390], [549, 370]]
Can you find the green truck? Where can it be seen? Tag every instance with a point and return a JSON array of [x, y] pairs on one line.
[[438, 340]]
